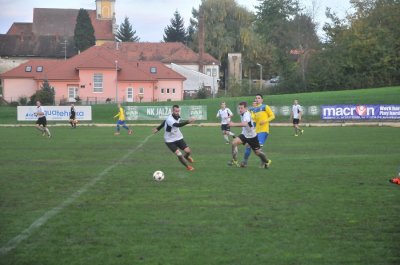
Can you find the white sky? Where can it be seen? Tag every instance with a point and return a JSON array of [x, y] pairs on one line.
[[148, 17]]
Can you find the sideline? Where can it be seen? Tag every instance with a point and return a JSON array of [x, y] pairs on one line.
[[13, 243], [272, 124]]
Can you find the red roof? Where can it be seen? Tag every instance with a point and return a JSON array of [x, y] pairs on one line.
[[20, 71], [18, 28], [168, 52], [58, 21], [103, 29], [96, 57]]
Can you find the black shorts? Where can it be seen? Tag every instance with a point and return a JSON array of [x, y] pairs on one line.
[[253, 142], [173, 146], [225, 127], [72, 117], [296, 121], [42, 121]]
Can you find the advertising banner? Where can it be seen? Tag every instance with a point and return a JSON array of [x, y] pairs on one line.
[[360, 112], [54, 113], [162, 112]]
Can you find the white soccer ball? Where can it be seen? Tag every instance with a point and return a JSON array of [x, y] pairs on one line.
[[158, 175]]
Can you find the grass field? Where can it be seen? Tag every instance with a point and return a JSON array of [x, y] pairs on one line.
[[87, 197]]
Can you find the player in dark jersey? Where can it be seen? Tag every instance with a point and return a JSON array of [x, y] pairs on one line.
[[72, 117]]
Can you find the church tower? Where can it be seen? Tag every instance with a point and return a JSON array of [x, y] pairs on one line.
[[105, 9]]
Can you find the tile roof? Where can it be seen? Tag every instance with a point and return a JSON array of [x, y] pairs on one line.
[[20, 72], [31, 45], [18, 28], [58, 21], [168, 52], [95, 57], [103, 29], [44, 37]]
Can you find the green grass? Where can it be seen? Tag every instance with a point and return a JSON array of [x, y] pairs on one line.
[[103, 113], [325, 200]]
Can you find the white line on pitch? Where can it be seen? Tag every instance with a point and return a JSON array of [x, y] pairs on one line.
[[49, 214]]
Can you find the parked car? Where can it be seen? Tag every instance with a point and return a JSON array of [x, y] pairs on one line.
[[275, 80]]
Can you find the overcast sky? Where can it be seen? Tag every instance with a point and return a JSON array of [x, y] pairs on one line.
[[148, 17]]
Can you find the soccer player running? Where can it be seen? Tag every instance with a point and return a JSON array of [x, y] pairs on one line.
[[262, 115], [174, 138], [248, 136], [72, 117], [41, 121], [121, 120], [225, 114], [295, 116]]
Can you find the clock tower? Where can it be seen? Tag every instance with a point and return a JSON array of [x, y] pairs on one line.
[[105, 9]]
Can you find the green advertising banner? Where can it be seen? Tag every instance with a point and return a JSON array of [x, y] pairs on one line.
[[161, 112]]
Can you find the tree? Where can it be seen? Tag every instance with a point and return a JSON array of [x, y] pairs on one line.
[[45, 95], [283, 25], [362, 50], [176, 31], [126, 33], [84, 32], [228, 29]]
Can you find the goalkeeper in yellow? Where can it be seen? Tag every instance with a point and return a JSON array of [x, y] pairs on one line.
[[262, 116], [121, 120]]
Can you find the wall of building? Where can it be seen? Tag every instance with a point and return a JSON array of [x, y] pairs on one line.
[[13, 89], [168, 90]]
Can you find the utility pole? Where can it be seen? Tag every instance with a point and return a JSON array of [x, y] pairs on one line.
[[261, 67], [116, 81]]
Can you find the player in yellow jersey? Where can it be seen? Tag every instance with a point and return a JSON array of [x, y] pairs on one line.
[[121, 120], [262, 115]]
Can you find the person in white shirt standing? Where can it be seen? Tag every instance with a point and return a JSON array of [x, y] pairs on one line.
[[248, 136], [41, 121], [174, 138], [295, 116], [225, 114]]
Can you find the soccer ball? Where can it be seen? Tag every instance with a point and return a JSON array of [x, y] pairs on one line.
[[158, 175]]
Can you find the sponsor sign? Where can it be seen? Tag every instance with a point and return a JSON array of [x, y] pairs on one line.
[[54, 113], [162, 112], [360, 112]]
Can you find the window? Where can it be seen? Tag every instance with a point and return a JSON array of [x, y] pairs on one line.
[[72, 93], [39, 69], [162, 90], [153, 70], [98, 83], [173, 91], [28, 68], [167, 90], [141, 90], [209, 71]]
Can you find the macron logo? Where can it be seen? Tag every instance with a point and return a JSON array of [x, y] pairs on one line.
[[347, 111], [361, 110]]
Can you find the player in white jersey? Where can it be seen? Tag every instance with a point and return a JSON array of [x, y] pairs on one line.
[[225, 114], [248, 136], [173, 136], [41, 121], [295, 116]]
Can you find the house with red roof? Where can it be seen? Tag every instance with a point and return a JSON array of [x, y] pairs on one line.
[[155, 63], [51, 34], [199, 69], [96, 75]]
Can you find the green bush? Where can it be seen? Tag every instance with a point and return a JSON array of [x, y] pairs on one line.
[[45, 95], [23, 101]]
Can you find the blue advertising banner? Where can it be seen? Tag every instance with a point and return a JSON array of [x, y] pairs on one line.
[[360, 112]]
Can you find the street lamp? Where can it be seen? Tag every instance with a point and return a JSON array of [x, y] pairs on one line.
[[260, 74], [116, 81]]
